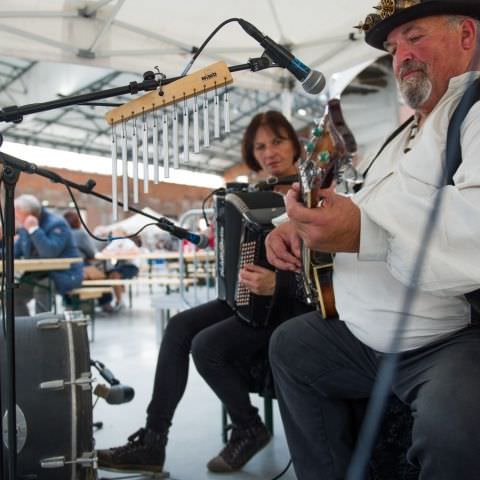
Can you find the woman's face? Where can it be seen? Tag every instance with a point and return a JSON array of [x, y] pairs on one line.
[[275, 154]]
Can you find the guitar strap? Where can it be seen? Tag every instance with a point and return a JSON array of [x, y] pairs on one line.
[[396, 132]]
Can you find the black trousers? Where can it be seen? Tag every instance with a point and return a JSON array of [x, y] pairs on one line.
[[222, 346]]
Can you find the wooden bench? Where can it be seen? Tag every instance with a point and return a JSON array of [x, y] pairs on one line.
[[169, 282], [90, 293]]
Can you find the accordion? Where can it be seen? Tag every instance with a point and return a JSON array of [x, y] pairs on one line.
[[243, 220]]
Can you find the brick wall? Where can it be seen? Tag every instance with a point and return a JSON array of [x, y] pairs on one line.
[[166, 198]]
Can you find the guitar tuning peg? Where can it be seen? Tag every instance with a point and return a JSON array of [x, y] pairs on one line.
[[324, 156], [317, 132], [309, 146]]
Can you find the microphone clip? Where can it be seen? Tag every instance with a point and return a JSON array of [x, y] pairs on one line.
[[104, 372], [261, 63]]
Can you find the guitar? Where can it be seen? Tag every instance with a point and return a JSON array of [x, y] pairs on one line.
[[330, 154]]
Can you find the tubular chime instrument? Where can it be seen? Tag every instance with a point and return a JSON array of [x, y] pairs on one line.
[[158, 117]]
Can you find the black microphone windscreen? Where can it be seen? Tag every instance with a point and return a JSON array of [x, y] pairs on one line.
[[116, 394]]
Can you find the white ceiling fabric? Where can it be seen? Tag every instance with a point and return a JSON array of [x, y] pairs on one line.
[[136, 35], [53, 48]]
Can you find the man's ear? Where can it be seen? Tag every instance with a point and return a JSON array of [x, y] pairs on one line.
[[469, 32]]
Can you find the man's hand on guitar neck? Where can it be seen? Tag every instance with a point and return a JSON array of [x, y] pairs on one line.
[[333, 226], [284, 248]]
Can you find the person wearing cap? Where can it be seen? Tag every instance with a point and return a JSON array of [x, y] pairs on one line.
[[382, 279]]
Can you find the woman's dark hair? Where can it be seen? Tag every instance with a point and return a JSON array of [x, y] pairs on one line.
[[71, 216], [279, 126]]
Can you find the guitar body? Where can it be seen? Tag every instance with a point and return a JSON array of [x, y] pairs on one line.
[[318, 281], [329, 157]]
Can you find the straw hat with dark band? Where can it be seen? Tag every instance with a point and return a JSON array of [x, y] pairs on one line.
[[393, 13]]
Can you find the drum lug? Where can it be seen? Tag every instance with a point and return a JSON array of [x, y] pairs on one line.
[[53, 385], [85, 381], [88, 459], [53, 462], [74, 317], [49, 323]]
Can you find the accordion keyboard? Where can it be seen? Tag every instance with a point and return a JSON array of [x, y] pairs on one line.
[[248, 254]]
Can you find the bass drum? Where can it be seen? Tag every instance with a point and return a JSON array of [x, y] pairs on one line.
[[54, 398]]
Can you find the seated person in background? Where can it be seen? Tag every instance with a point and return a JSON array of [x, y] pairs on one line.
[[222, 344], [91, 268], [102, 233], [378, 235], [42, 234], [122, 268], [85, 246]]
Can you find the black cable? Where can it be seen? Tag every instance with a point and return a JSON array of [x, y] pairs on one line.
[[284, 471], [204, 202], [110, 237], [204, 44]]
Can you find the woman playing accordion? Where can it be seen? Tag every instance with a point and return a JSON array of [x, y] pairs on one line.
[[223, 345]]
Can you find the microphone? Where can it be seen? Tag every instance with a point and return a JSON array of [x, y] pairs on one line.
[[116, 394], [201, 241], [312, 80]]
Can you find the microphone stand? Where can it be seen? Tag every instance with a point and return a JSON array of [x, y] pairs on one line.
[[12, 167]]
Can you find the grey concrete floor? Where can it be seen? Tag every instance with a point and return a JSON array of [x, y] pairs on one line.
[[127, 343]]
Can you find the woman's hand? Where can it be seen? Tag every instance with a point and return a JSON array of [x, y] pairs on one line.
[[258, 280]]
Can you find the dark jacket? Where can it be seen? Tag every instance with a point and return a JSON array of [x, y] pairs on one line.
[[53, 239]]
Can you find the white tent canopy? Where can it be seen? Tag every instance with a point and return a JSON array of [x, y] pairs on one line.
[[136, 35], [75, 46]]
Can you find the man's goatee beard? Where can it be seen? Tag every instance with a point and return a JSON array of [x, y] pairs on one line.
[[416, 91]]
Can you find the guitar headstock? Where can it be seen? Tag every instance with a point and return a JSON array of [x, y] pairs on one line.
[[330, 154]]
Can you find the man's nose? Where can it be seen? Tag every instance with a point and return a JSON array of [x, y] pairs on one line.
[[403, 54]]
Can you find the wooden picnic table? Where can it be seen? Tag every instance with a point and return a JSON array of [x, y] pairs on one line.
[[42, 264]]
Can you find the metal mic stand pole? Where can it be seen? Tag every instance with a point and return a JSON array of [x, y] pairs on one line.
[[10, 177]]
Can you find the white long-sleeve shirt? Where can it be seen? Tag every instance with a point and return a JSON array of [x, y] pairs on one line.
[[395, 204]]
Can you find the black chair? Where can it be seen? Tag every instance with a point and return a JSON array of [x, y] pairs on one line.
[[389, 457]]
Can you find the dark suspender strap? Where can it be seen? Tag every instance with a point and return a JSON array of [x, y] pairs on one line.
[[387, 141], [453, 160], [454, 148]]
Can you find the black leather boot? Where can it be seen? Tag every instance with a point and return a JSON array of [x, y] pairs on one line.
[[144, 452], [245, 441]]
